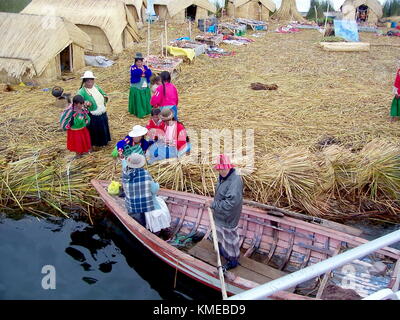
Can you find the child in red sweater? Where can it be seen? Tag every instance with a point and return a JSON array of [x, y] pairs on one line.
[[155, 125]]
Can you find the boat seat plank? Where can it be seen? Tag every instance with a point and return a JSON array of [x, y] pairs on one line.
[[248, 268]]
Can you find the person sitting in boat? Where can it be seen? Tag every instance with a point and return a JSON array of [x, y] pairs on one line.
[[227, 207], [141, 201], [155, 124], [166, 95], [172, 142]]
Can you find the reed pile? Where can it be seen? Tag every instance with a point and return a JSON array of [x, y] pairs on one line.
[[323, 143]]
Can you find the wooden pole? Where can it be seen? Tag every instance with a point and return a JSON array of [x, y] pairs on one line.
[[162, 40], [166, 38], [148, 35], [190, 29], [326, 18], [219, 266], [316, 14]]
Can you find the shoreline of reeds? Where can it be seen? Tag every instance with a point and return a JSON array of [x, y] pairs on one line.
[[345, 96]]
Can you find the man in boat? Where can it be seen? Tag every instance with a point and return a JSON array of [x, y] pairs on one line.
[[227, 207]]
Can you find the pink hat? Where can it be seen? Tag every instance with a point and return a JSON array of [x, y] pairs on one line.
[[223, 162]]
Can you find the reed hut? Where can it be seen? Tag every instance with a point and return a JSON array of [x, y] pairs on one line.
[[109, 24], [368, 11], [37, 49], [251, 9], [137, 9], [179, 10]]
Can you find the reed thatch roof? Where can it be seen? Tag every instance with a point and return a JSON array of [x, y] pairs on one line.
[[109, 15], [269, 4], [29, 42], [138, 4], [374, 5], [176, 6]]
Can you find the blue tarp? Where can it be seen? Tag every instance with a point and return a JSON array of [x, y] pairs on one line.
[[346, 29]]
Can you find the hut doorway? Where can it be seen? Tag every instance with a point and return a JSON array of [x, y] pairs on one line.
[[66, 59], [362, 13], [191, 12]]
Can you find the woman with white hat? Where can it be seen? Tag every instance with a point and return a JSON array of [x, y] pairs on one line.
[[140, 195], [95, 100], [136, 139], [139, 93]]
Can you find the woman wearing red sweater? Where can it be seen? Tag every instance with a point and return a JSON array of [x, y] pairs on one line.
[[166, 95], [173, 141]]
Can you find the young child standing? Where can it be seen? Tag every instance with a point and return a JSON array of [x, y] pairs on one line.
[[166, 95], [395, 108], [78, 137], [154, 84]]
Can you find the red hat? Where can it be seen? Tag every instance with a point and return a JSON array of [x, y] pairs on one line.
[[223, 162]]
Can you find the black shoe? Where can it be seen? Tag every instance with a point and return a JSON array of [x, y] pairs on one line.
[[229, 265]]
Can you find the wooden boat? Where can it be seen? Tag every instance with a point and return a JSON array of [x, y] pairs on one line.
[[272, 246]]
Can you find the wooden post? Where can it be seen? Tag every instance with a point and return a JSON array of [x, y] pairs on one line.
[[166, 38], [326, 18], [148, 34], [162, 40], [316, 14], [190, 29], [219, 266]]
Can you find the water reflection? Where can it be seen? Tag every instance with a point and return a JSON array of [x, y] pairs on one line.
[[91, 262]]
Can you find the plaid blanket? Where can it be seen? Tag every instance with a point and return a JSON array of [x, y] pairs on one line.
[[137, 187]]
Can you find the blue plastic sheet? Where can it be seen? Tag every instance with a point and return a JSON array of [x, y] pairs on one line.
[[346, 29]]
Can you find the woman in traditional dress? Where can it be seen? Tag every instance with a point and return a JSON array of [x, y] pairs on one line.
[[140, 195], [395, 108], [95, 100], [139, 94], [172, 142], [166, 95]]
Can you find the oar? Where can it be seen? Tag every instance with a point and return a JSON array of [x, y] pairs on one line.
[[219, 266]]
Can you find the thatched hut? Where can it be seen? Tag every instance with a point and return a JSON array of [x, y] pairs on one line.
[[368, 11], [179, 10], [37, 49], [251, 9], [108, 23], [137, 9]]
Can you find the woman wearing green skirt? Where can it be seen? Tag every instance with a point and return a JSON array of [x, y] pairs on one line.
[[139, 94], [395, 108]]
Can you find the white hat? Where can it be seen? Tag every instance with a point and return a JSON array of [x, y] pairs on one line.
[[135, 160], [88, 75], [138, 131]]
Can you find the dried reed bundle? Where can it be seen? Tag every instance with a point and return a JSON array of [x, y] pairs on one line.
[[379, 172], [290, 176]]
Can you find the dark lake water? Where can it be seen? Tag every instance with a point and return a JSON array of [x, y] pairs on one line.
[[91, 262], [13, 5]]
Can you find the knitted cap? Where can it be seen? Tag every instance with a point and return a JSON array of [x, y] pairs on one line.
[[223, 162]]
